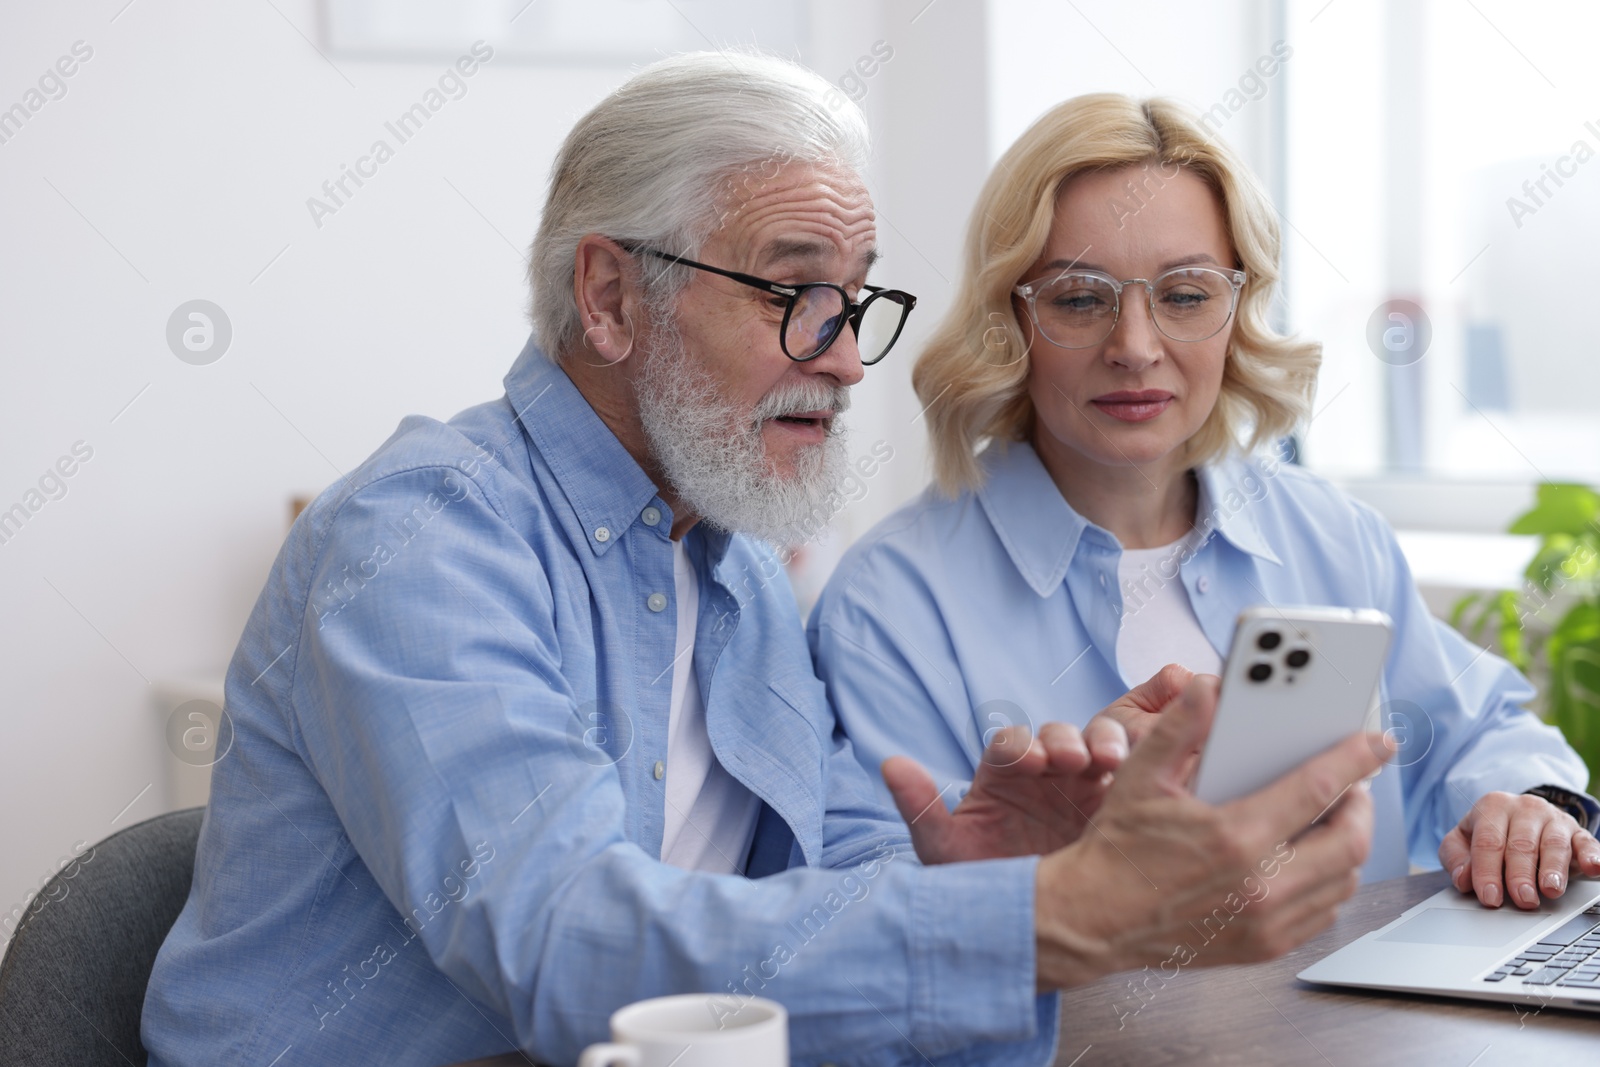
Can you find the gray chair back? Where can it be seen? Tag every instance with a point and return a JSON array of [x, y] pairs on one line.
[[72, 984]]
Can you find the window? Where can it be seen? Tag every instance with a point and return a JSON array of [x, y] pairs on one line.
[[1447, 154]]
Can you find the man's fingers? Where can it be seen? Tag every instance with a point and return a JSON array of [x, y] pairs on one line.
[[1187, 770], [1012, 748], [1106, 741], [1489, 854], [1343, 840], [1321, 872], [1555, 856], [1181, 731], [914, 794], [1065, 749], [1289, 805], [1160, 689], [1303, 919]]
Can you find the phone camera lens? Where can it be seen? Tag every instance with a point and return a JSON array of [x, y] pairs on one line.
[[1298, 658], [1269, 640], [1260, 672]]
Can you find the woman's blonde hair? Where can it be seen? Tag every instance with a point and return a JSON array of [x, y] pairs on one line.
[[976, 363]]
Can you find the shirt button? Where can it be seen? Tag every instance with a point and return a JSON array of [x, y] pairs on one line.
[[660, 770], [656, 602], [1203, 584], [651, 516], [602, 534]]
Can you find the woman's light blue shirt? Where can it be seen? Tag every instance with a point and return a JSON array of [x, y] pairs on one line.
[[954, 617]]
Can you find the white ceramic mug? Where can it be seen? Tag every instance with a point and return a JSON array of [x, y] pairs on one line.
[[694, 1030]]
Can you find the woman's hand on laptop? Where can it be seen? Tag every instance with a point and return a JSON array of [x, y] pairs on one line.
[[1515, 846]]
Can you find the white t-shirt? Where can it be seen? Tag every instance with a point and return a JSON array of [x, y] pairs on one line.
[[710, 816], [1159, 625]]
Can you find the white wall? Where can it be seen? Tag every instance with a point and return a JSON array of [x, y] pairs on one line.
[[177, 166], [1042, 52], [928, 106], [189, 142]]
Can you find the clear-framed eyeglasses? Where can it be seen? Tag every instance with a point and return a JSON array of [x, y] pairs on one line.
[[1080, 308]]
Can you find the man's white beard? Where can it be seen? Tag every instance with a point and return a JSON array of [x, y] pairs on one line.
[[714, 457]]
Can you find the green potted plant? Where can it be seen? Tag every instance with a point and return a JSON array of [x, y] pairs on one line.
[[1550, 628]]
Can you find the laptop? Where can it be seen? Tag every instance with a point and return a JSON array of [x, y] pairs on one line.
[[1450, 945]]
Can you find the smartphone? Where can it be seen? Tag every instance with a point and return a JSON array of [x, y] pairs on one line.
[[1297, 681]]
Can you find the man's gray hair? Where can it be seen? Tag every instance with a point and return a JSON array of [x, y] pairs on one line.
[[670, 156]]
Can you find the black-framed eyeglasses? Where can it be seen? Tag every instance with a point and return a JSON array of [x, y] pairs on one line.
[[815, 313], [1080, 308]]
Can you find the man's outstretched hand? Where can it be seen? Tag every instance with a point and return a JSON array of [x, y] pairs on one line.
[[1139, 709], [1030, 795]]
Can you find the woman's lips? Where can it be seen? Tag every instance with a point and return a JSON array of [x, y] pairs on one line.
[[1133, 406]]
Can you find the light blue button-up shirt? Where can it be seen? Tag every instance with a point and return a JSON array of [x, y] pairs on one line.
[[436, 832], [954, 617]]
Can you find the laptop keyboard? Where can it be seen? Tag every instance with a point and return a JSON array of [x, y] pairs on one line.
[[1567, 956]]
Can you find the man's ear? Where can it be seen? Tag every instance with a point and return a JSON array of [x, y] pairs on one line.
[[605, 285]]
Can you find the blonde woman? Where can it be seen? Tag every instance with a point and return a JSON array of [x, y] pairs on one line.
[[1103, 400]]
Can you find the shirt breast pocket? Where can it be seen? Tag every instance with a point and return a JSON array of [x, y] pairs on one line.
[[810, 726], [785, 759]]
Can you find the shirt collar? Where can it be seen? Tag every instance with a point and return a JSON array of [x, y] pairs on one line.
[[1041, 531], [604, 484], [1034, 522], [1229, 490]]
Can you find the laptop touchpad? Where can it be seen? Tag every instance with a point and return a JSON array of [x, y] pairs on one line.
[[1484, 928]]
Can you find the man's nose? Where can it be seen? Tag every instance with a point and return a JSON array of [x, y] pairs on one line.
[[842, 359]]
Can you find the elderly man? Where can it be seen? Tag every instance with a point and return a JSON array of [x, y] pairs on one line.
[[517, 740]]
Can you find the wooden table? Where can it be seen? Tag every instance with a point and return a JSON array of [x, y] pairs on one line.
[[1263, 1014]]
